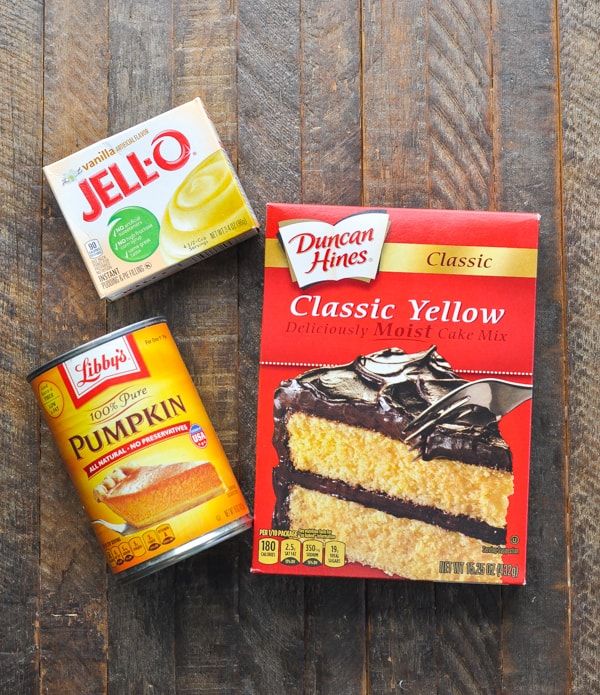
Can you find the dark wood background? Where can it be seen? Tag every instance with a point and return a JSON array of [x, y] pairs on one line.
[[441, 103]]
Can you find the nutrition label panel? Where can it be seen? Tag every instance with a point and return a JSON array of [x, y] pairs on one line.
[[310, 552], [119, 552]]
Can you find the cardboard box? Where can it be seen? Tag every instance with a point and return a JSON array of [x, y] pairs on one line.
[[370, 317], [151, 200]]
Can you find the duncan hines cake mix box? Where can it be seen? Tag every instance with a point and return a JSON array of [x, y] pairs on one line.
[[151, 200], [394, 412]]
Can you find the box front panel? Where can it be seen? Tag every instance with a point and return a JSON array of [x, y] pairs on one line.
[[347, 362], [145, 200]]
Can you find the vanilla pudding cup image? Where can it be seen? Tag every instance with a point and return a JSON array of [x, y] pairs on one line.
[[207, 199], [140, 448], [152, 199]]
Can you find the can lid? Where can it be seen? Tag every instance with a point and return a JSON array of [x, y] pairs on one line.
[[94, 343]]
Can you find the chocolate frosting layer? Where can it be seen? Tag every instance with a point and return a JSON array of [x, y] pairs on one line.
[[285, 478], [384, 392]]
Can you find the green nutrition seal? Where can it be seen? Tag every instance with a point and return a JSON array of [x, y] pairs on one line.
[[134, 233]]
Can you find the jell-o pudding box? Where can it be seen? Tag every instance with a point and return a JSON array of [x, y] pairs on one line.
[[152, 199]]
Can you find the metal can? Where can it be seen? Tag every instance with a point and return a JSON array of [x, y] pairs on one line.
[[140, 448]]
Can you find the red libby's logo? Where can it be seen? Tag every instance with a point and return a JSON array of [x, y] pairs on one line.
[[318, 251], [111, 363], [170, 151]]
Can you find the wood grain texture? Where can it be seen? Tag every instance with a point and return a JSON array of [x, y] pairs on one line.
[[580, 84], [400, 638], [459, 105], [454, 156], [141, 616], [535, 618], [330, 99], [460, 116], [395, 162], [207, 622], [468, 645], [206, 608], [331, 172], [73, 620], [20, 241], [440, 103], [271, 608], [205, 48]]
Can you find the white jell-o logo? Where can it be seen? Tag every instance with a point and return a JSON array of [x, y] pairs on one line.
[[319, 251], [86, 372]]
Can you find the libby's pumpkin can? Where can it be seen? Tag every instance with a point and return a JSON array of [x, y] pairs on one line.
[[140, 448]]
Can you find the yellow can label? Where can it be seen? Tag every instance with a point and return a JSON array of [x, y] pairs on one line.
[[139, 446]]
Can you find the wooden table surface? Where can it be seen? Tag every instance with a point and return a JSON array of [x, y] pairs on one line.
[[437, 103]]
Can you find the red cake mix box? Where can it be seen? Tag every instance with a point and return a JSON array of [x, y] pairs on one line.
[[394, 411]]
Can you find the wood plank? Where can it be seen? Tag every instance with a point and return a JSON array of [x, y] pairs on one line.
[[461, 176], [206, 609], [401, 637], [580, 84], [205, 48], [207, 639], [535, 617], [207, 623], [395, 163], [141, 636], [21, 65], [141, 615], [331, 172], [401, 615], [459, 104], [207, 626], [271, 608], [467, 649], [331, 161], [73, 581]]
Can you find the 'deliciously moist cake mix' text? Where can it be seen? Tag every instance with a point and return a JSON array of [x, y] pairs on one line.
[[140, 448], [395, 383], [152, 199]]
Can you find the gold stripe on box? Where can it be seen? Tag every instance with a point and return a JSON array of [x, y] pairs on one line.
[[439, 259]]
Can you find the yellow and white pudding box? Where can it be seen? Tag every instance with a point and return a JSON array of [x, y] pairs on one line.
[[152, 199]]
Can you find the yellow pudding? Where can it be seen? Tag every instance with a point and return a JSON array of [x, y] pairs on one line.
[[207, 207]]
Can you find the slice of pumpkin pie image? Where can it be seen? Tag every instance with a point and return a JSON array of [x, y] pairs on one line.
[[145, 495]]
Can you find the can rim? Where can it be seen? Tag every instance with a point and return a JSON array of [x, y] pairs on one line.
[[185, 551], [90, 344]]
